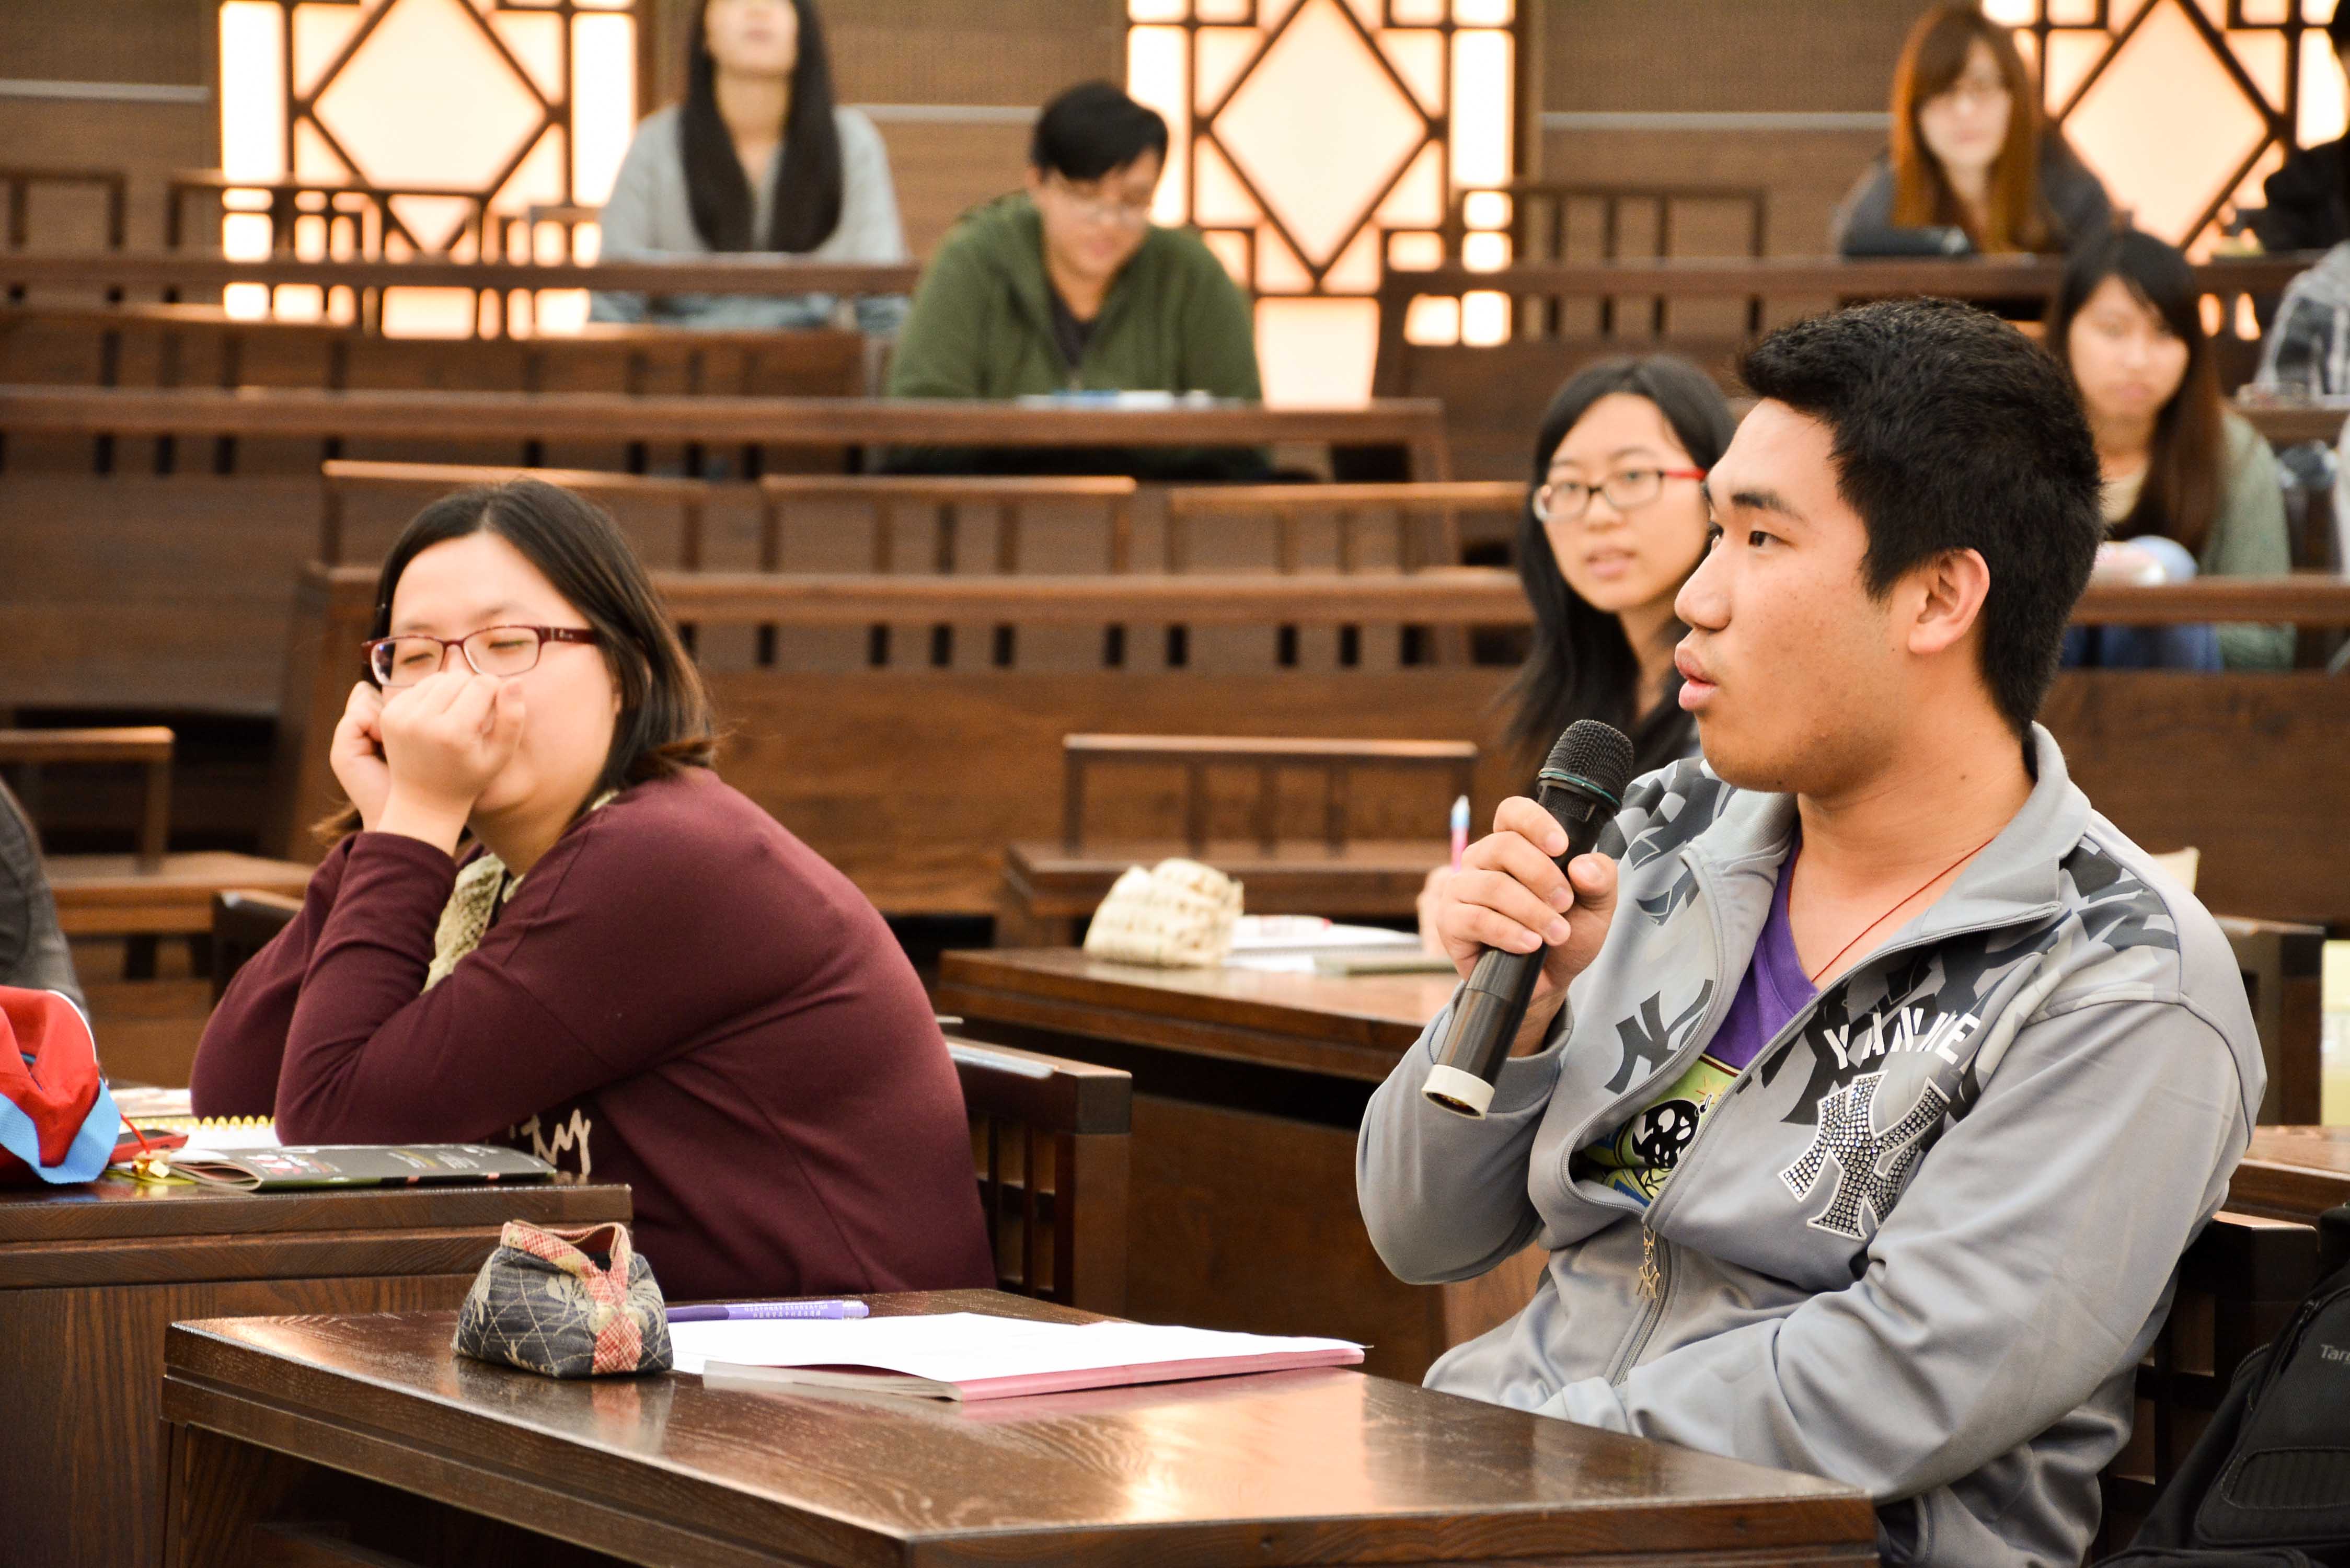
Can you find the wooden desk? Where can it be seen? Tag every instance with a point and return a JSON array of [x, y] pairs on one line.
[[2294, 1173], [2288, 424], [90, 1276], [377, 1425], [1248, 1090]]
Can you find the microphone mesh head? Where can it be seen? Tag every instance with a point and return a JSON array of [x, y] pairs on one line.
[[1595, 753]]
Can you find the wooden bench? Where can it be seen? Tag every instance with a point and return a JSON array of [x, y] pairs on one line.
[[912, 775], [170, 591], [506, 292], [1048, 887], [1408, 509]]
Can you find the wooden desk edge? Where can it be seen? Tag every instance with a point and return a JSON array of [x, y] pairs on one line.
[[1840, 1523], [1366, 1061]]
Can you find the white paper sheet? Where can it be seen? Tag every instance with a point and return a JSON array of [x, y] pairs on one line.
[[961, 1347]]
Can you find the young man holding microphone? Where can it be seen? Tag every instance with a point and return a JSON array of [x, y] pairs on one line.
[[1873, 1084]]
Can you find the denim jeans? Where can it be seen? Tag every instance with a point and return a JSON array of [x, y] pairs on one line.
[[2147, 647]]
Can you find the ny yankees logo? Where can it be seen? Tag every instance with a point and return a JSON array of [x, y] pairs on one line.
[[1870, 1165]]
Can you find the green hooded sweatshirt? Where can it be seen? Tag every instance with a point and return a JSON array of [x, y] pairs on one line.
[[981, 326]]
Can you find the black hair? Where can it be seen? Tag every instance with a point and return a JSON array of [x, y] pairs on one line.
[[1093, 128], [665, 724], [805, 206], [2185, 471], [1582, 666], [1951, 430]]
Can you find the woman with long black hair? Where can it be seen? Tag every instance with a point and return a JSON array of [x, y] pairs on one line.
[[757, 157], [1614, 524], [2190, 487]]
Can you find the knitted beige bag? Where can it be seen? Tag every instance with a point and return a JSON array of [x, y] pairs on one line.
[[1179, 914]]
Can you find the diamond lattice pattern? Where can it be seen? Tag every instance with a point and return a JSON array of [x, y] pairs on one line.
[[428, 101], [2164, 125], [1320, 127]]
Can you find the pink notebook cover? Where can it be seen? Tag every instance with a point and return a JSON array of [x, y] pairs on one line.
[[1151, 1372]]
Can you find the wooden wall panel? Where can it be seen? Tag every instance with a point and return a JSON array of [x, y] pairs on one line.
[[1787, 55], [170, 42]]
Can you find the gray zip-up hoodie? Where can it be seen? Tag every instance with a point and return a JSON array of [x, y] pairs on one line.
[[1923, 1238]]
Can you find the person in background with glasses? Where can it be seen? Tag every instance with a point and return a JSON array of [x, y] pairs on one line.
[[1615, 524], [547, 923], [1973, 168], [1069, 287]]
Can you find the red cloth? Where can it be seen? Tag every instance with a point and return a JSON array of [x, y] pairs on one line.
[[48, 1073], [682, 996]]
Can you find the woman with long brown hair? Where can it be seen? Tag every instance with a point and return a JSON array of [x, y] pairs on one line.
[[1973, 168], [2190, 487], [556, 926]]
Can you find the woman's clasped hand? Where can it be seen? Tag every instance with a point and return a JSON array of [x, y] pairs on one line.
[[415, 760]]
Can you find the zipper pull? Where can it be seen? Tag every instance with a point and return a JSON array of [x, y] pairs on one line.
[[1652, 1279]]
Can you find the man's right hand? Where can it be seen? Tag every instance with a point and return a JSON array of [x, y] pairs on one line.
[[1510, 894]]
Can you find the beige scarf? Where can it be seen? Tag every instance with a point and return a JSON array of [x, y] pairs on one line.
[[483, 887]]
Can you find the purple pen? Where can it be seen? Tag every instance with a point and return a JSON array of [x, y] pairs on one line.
[[727, 1312]]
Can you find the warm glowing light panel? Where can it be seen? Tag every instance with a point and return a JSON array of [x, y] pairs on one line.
[[1317, 143], [2183, 107], [414, 127]]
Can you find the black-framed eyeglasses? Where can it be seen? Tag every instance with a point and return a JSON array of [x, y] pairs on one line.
[[397, 662], [1565, 500], [1101, 207]]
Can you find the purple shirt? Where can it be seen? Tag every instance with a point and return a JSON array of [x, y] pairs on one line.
[[1776, 988], [1638, 1155]]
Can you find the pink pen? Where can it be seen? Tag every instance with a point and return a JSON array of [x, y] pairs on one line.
[[1459, 830]]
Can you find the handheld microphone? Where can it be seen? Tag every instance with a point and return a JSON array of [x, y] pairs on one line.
[[1581, 786]]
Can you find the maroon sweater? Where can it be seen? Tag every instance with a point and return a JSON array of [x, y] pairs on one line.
[[681, 996]]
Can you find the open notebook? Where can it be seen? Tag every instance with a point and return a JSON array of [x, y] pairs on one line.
[[970, 1356]]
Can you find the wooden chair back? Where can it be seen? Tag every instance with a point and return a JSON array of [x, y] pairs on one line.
[[243, 921], [1577, 221], [2238, 1285], [944, 503], [1408, 507], [1051, 1144], [147, 747], [18, 184], [345, 482], [1336, 760]]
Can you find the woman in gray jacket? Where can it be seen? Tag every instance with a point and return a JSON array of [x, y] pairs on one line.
[[757, 157], [2190, 487]]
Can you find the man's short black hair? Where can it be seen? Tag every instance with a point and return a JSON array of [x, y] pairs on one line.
[[1093, 128], [1951, 430]]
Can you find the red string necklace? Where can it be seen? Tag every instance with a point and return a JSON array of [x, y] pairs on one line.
[[1815, 977]]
